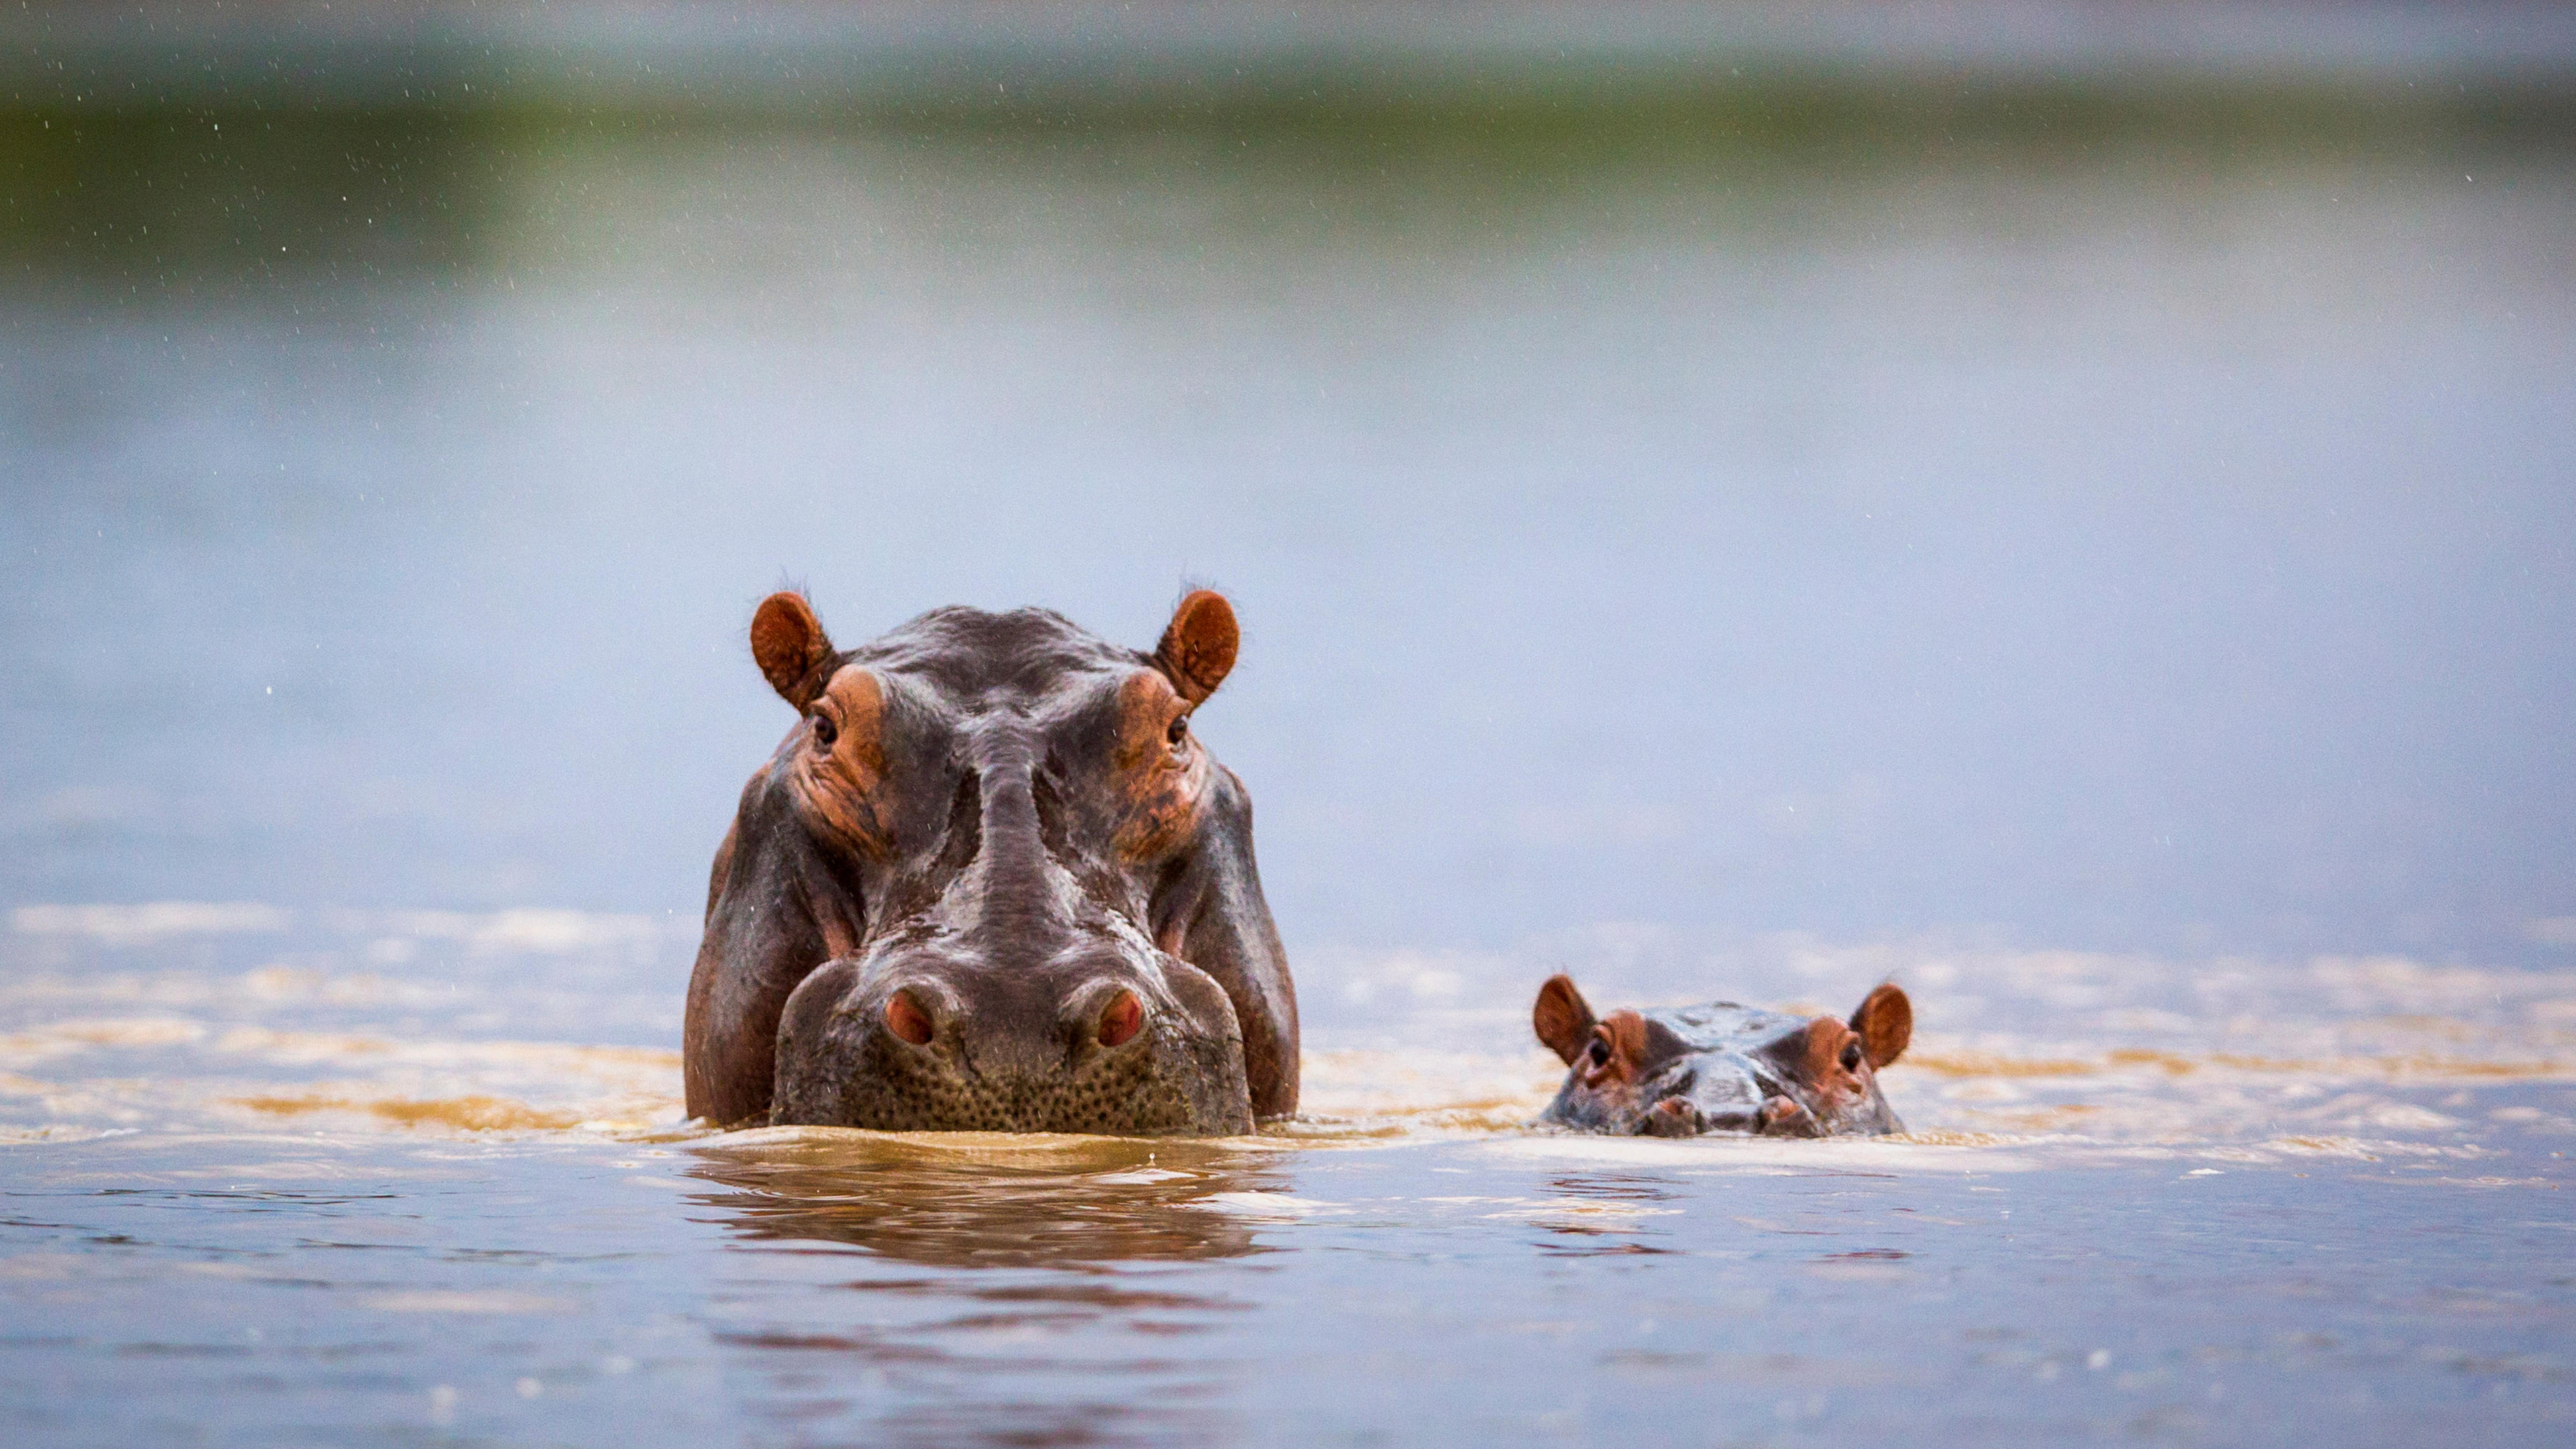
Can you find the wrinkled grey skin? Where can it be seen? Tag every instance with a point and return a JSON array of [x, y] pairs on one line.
[[1723, 1068], [993, 893]]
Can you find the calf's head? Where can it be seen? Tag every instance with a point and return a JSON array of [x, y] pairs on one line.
[[992, 880], [1720, 1067]]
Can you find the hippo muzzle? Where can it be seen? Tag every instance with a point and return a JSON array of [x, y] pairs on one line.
[[916, 1041]]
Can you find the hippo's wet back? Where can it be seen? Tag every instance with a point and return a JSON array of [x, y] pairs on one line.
[[992, 881]]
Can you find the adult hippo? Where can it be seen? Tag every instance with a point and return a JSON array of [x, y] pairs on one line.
[[1722, 1067], [992, 881]]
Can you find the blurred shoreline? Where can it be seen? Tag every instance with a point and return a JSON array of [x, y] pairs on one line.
[[160, 148], [988, 61]]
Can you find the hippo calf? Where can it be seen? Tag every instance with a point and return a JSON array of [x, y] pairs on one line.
[[991, 880], [1721, 1067]]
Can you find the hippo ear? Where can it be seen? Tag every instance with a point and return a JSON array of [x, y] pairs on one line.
[[1198, 648], [1562, 1018], [789, 644], [1886, 1023]]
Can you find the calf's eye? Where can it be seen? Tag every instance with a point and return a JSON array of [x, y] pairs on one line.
[[1851, 1056], [1600, 1052]]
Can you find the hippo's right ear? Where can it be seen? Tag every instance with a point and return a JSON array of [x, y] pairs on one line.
[[789, 644], [1562, 1018], [1886, 1023]]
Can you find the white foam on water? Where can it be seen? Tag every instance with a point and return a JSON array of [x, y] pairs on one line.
[[120, 925], [1266, 1205], [1761, 1154], [471, 1301], [524, 930]]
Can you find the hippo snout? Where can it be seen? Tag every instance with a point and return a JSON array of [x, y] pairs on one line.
[[1105, 1043]]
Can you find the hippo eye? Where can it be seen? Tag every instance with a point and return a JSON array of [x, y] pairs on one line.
[[1851, 1056], [1600, 1053], [1179, 731], [825, 732]]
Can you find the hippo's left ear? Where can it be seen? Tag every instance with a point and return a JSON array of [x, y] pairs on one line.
[[1197, 651], [1886, 1023]]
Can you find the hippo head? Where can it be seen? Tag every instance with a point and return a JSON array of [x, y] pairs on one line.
[[1722, 1067], [992, 880]]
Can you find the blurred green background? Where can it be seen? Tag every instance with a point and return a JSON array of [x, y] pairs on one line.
[[418, 137]]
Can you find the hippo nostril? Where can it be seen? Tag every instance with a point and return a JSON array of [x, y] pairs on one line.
[[905, 1018], [1672, 1117], [1121, 1019]]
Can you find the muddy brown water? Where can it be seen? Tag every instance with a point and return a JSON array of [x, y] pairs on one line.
[[2112, 581]]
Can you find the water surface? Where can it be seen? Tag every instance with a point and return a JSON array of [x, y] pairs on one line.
[[425, 1176]]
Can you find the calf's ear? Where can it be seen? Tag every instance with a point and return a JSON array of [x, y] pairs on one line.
[[789, 644], [1197, 650], [1886, 1023], [1562, 1018]]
